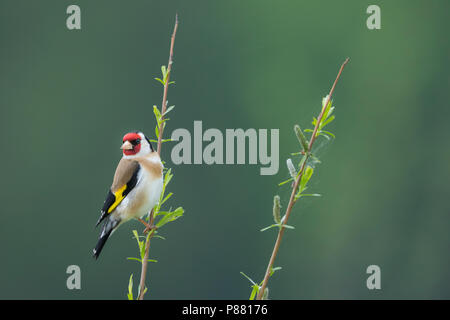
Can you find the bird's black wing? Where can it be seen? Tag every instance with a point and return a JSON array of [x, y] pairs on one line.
[[114, 199]]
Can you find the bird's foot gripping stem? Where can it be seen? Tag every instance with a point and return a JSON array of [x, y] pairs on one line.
[[148, 227]]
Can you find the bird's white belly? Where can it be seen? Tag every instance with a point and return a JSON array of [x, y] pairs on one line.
[[142, 198]]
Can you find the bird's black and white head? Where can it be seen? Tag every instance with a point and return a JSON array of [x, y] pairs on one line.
[[136, 144]]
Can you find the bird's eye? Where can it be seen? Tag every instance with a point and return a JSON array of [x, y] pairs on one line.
[[135, 142]]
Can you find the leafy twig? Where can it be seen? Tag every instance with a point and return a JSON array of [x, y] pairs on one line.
[[160, 129], [301, 178]]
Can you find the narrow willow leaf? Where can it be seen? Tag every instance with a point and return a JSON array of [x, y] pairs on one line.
[[287, 226], [255, 291], [272, 270], [319, 133], [169, 109], [308, 172], [161, 213], [164, 73], [171, 216], [301, 162], [132, 258], [328, 133], [315, 160], [142, 249], [276, 209], [130, 288], [159, 80], [324, 100], [301, 137], [140, 243], [157, 113], [167, 197], [248, 278], [136, 235], [269, 227], [284, 182], [327, 121]]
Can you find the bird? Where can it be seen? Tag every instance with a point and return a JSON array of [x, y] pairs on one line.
[[136, 187]]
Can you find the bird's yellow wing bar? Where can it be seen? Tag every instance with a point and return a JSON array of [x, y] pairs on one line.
[[119, 195]]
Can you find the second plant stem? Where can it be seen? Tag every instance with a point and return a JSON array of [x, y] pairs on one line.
[[292, 199]]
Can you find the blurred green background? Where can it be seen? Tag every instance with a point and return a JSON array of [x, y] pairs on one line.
[[67, 98]]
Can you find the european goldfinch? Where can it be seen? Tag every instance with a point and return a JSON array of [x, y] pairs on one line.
[[136, 186]]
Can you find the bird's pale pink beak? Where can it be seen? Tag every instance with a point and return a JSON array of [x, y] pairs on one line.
[[127, 146]]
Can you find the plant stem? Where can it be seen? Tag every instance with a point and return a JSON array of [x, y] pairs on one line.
[[294, 189], [166, 85], [151, 214]]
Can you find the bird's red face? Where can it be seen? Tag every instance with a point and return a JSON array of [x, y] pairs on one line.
[[131, 144]]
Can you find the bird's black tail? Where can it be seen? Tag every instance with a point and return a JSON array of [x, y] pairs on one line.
[[108, 227]]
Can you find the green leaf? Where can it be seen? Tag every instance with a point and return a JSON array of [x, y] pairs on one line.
[[301, 137], [164, 73], [300, 165], [328, 133], [308, 172], [272, 270], [248, 278], [327, 108], [157, 113], [132, 258], [169, 217], [310, 195], [142, 250], [315, 160], [327, 113], [284, 182], [140, 244], [161, 213], [166, 198], [255, 290], [269, 227], [169, 109], [319, 133], [327, 121], [130, 288], [158, 79]]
